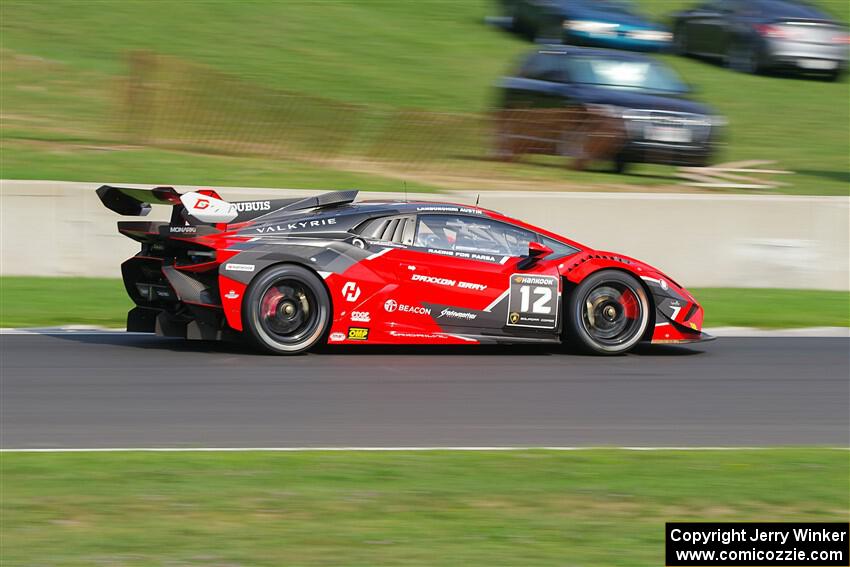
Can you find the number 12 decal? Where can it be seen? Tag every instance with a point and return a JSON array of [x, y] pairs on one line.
[[533, 301], [543, 302]]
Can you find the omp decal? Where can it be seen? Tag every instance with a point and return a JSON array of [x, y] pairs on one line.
[[379, 253], [358, 334], [239, 267]]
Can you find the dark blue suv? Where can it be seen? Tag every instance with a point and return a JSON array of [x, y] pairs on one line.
[[599, 103]]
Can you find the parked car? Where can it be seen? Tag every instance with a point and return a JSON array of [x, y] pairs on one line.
[[599, 23], [758, 35], [595, 104]]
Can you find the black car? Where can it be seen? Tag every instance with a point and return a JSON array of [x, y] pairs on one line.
[[602, 104], [759, 35], [597, 23]]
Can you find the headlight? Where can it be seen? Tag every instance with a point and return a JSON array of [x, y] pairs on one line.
[[590, 26], [651, 35]]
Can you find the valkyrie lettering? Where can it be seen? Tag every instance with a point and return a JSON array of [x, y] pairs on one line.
[[300, 225]]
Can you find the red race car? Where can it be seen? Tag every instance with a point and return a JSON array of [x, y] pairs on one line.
[[291, 274]]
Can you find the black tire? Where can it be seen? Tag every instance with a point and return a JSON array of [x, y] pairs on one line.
[[286, 310], [621, 163], [680, 41], [597, 318], [835, 76], [743, 57]]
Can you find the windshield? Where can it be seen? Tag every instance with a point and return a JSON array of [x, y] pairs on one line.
[[625, 74], [624, 6]]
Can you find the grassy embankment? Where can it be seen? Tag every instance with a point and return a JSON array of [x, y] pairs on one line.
[[64, 64]]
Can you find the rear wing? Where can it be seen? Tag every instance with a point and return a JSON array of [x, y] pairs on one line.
[[206, 206], [132, 202]]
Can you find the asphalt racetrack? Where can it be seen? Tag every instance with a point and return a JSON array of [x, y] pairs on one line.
[[125, 391]]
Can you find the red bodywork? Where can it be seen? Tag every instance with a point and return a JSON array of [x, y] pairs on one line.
[[397, 294], [382, 289]]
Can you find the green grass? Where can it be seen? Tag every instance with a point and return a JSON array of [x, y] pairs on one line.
[[774, 308], [46, 302], [99, 165], [42, 302], [64, 62], [593, 508]]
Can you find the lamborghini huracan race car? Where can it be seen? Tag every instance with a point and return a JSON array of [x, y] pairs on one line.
[[290, 274]]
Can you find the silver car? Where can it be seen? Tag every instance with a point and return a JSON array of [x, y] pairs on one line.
[[752, 36]]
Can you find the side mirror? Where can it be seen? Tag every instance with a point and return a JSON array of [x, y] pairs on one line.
[[535, 252]]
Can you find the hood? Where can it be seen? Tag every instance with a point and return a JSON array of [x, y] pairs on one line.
[[638, 100]]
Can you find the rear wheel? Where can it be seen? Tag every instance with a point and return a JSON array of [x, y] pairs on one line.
[[608, 313], [680, 41], [743, 58], [287, 310]]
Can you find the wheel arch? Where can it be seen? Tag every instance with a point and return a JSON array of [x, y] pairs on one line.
[[240, 281], [291, 262], [570, 285]]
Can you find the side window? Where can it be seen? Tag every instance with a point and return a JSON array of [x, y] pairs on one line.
[[398, 229], [544, 67], [472, 234], [555, 69], [559, 249]]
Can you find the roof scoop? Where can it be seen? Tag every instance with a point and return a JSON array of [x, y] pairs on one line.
[[208, 209]]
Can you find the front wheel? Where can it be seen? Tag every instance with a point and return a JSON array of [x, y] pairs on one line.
[[287, 310], [607, 313], [743, 58]]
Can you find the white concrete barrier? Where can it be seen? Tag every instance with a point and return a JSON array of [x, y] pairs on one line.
[[52, 228]]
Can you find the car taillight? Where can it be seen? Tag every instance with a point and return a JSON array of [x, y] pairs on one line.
[[767, 30], [843, 38]]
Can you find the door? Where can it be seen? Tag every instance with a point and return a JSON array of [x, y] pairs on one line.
[[706, 24], [469, 272]]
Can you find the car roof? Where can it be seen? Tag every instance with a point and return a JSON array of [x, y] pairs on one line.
[[790, 9]]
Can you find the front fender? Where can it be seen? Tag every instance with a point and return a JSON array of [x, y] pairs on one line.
[[678, 316]]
